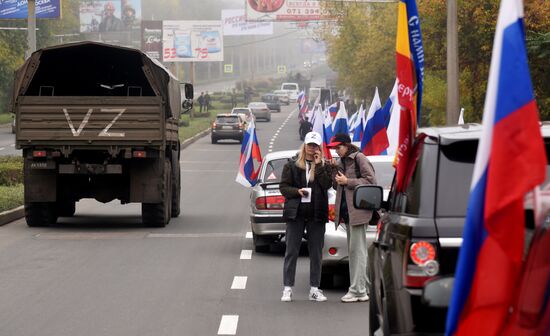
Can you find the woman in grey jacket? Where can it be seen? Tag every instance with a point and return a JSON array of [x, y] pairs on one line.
[[354, 168]]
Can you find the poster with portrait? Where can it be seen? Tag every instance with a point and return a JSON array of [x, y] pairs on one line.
[[285, 10], [192, 41], [109, 15]]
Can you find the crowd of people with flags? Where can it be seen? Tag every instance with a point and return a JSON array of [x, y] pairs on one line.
[[511, 161]]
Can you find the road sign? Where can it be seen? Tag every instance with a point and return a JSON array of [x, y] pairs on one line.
[[228, 68], [281, 69]]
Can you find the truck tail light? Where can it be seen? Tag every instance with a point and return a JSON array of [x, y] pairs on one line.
[[421, 264], [139, 154], [39, 153], [270, 203]]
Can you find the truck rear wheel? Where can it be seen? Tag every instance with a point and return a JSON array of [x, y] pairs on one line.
[[176, 190], [66, 208], [40, 214], [158, 214]]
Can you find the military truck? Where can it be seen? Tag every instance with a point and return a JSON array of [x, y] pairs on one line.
[[98, 121]]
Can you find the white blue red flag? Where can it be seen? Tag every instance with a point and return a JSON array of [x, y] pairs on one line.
[[327, 135], [319, 127], [359, 124], [393, 126], [250, 154], [302, 105], [333, 109], [375, 138], [511, 161], [340, 124]]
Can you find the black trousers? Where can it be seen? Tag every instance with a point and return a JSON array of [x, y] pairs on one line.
[[315, 242]]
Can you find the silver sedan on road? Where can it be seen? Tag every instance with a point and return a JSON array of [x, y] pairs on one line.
[[260, 110]]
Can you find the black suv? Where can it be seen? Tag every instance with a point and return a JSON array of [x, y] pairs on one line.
[[272, 102], [412, 260]]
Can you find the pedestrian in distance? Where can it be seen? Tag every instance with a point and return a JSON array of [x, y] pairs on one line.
[[200, 100], [233, 99], [304, 184], [353, 169], [206, 102], [305, 127]]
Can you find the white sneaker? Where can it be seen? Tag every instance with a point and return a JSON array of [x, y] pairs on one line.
[[350, 297], [287, 295], [317, 295]]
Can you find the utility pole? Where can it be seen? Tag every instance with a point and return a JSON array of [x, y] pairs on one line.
[[453, 102], [31, 28]]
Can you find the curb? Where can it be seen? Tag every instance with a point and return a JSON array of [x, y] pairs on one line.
[[194, 138], [11, 215]]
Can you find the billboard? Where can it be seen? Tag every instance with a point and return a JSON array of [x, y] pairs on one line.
[[17, 9], [285, 10], [151, 39], [109, 15], [235, 24], [192, 41]]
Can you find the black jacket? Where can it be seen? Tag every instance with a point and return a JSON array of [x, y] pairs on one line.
[[294, 178]]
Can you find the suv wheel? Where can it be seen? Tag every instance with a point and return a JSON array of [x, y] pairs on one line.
[[214, 140]]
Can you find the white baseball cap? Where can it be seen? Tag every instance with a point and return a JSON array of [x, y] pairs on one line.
[[313, 137]]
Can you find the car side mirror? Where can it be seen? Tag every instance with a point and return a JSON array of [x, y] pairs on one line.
[[188, 90], [368, 197]]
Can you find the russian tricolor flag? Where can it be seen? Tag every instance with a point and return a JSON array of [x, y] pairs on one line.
[[375, 138], [319, 127], [358, 126], [340, 124], [333, 109], [393, 126], [250, 151], [511, 161]]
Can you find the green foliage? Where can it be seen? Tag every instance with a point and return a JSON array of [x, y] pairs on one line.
[[433, 101], [11, 170], [11, 197]]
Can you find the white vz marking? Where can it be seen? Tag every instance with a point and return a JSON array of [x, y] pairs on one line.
[[105, 132]]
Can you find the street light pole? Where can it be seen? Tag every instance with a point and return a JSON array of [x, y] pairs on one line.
[[453, 108], [31, 28]]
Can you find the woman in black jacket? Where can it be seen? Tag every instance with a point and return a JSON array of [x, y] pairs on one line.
[[304, 183]]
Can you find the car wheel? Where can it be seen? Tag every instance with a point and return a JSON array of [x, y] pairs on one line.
[[268, 118]]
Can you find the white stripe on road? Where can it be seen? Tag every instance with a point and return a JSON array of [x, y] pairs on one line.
[[246, 254], [248, 235], [239, 282], [228, 325], [2, 148], [12, 145]]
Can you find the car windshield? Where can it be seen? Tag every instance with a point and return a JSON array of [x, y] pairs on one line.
[[227, 119], [273, 170], [257, 105], [269, 98], [289, 87], [384, 173]]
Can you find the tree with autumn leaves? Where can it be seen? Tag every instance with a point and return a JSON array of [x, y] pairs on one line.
[[363, 51]]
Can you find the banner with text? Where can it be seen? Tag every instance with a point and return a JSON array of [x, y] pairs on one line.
[[151, 38], [192, 41], [17, 9], [285, 10], [235, 24]]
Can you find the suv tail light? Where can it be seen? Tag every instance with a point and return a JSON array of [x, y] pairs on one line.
[[421, 264], [270, 203], [331, 212]]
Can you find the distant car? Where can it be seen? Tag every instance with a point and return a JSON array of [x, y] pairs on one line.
[[307, 64], [244, 112], [292, 89], [260, 110], [227, 126], [283, 96], [335, 250], [272, 102]]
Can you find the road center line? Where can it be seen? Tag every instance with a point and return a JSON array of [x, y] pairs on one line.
[[228, 325], [248, 235], [239, 282], [246, 254]]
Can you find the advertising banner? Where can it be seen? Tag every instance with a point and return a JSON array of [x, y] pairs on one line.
[[151, 39], [235, 24], [192, 41], [285, 10], [109, 15], [17, 9]]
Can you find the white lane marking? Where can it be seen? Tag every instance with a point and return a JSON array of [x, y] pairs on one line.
[[2, 148], [248, 235], [239, 282], [246, 254], [12, 145], [228, 325]]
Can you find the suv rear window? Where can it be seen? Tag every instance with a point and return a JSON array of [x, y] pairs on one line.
[[228, 120], [245, 111], [274, 170]]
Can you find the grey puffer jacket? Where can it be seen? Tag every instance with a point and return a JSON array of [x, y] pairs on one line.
[[356, 216]]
